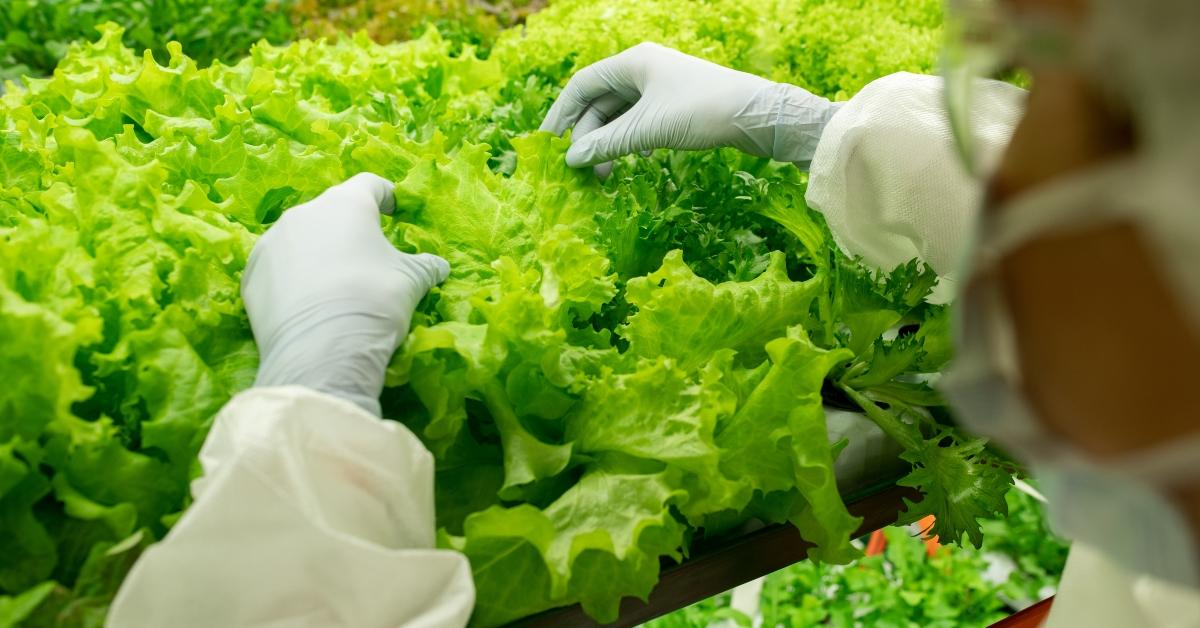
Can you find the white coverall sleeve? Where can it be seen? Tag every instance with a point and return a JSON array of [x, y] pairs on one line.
[[311, 512], [887, 179]]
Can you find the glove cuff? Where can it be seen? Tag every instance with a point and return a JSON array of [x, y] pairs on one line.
[[344, 356], [783, 122], [800, 118]]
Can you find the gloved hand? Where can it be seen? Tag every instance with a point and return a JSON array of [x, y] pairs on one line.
[[329, 298], [650, 96]]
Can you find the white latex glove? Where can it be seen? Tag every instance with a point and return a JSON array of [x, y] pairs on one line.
[[329, 298], [650, 96]]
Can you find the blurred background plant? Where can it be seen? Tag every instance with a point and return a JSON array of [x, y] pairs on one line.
[[1019, 564], [473, 22], [34, 34]]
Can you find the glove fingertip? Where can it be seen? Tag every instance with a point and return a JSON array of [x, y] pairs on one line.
[[382, 191], [603, 170], [581, 153], [435, 266], [550, 124]]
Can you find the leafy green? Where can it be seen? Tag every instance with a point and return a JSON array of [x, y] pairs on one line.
[[37, 32], [905, 587], [1026, 537], [900, 587], [473, 22], [610, 370]]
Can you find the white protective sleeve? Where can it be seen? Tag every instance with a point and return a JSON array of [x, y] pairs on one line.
[[888, 181], [311, 512]]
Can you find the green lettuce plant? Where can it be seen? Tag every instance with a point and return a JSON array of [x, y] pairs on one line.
[[903, 586], [35, 34]]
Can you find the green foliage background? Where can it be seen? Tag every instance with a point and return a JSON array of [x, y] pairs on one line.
[[34, 34]]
